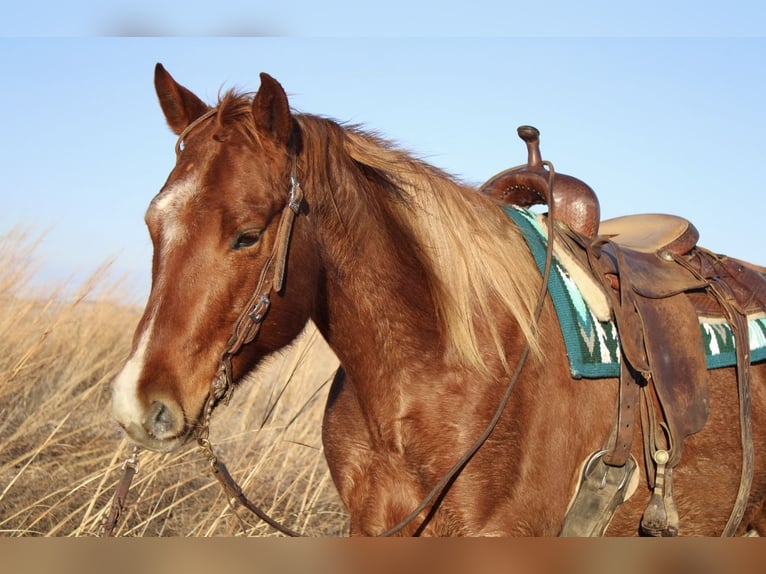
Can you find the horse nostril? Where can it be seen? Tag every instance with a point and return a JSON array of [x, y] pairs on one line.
[[162, 422]]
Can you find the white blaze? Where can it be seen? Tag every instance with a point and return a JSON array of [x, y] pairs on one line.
[[165, 208], [168, 206], [126, 407]]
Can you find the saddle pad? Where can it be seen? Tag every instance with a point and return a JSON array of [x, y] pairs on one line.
[[593, 345]]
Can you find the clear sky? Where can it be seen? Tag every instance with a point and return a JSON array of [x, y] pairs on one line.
[[660, 109]]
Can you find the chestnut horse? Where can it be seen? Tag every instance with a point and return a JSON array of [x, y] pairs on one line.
[[425, 291]]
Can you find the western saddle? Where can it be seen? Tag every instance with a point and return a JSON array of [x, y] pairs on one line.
[[658, 282]]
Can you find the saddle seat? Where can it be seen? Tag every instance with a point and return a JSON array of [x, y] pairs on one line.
[[651, 233]]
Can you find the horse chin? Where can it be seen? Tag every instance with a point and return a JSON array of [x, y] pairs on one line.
[[139, 437]]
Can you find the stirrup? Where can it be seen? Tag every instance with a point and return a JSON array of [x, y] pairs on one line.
[[601, 490]]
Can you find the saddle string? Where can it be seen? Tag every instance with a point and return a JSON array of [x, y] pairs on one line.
[[736, 316]]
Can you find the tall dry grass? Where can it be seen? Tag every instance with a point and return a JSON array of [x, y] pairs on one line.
[[60, 452]]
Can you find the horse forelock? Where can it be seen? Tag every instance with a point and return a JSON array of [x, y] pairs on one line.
[[474, 257], [235, 108], [234, 111]]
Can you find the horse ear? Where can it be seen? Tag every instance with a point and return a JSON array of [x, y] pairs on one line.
[[271, 111], [180, 106]]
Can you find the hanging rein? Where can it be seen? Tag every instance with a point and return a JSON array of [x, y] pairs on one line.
[[246, 329]]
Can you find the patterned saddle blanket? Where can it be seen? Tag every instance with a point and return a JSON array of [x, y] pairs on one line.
[[593, 343]]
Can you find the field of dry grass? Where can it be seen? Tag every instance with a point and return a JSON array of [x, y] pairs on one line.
[[60, 453]]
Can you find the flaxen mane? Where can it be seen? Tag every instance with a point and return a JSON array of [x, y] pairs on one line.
[[461, 237], [448, 223]]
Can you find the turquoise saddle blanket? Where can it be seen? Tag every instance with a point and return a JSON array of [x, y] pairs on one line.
[[593, 345]]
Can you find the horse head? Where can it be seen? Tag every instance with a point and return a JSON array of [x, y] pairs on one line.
[[217, 237]]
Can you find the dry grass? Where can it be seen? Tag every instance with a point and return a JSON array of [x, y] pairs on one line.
[[61, 453]]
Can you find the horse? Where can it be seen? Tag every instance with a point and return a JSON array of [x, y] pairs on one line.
[[428, 295]]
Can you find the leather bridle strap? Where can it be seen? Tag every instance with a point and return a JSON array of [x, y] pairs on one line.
[[190, 127], [246, 329], [129, 470], [249, 322]]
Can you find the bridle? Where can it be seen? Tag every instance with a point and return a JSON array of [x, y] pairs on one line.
[[272, 278], [246, 329], [248, 324]]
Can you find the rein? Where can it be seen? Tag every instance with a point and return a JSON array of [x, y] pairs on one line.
[[222, 385], [246, 329]]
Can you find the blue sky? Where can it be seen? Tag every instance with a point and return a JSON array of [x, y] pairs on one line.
[[657, 114], [393, 18]]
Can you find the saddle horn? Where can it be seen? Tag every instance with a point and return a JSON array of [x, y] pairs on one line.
[[572, 201]]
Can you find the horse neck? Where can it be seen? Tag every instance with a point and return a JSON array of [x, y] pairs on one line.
[[409, 284], [375, 308], [376, 302]]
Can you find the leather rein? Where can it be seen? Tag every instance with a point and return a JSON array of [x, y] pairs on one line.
[[246, 329]]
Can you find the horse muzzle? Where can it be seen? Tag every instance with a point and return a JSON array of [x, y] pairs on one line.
[[161, 427]]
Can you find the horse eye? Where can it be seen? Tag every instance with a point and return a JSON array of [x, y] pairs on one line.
[[246, 239]]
